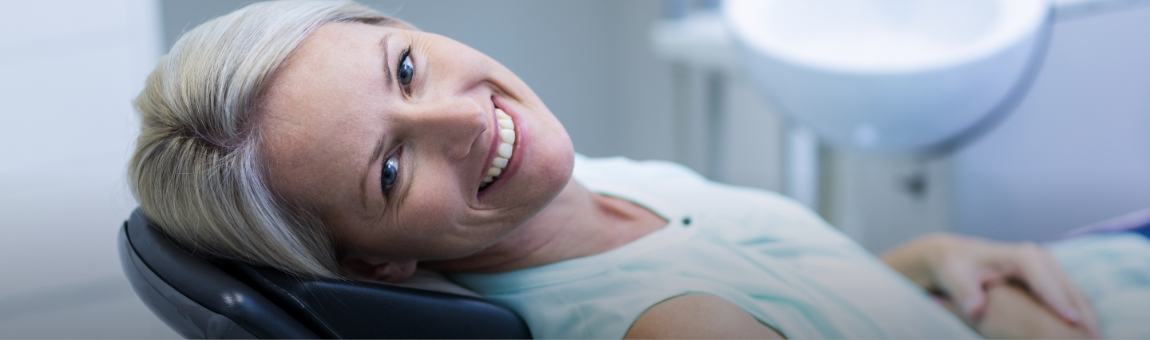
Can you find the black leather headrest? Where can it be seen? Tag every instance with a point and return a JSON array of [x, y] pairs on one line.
[[268, 303]]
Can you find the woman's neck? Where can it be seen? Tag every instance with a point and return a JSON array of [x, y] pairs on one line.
[[577, 223]]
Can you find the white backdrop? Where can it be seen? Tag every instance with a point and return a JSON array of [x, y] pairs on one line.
[[68, 73], [1077, 149]]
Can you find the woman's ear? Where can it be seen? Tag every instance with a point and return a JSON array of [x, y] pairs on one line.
[[395, 271], [371, 270]]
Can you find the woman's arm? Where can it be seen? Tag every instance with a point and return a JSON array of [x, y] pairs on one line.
[[698, 316]]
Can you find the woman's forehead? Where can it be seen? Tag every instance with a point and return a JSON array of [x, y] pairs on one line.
[[332, 78], [317, 122]]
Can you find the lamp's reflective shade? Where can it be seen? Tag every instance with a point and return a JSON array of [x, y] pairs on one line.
[[890, 75]]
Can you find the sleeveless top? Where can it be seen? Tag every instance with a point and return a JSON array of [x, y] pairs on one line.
[[760, 251]]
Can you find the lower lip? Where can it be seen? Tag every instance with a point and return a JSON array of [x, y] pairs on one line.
[[517, 157]]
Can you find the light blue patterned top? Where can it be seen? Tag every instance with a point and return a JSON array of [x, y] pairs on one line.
[[1113, 271], [760, 251]]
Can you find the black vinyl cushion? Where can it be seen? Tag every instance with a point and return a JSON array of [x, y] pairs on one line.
[[213, 298]]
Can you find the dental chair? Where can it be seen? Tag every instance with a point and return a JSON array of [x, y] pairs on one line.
[[202, 297]]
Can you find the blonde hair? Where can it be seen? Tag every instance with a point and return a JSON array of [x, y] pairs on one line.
[[197, 170]]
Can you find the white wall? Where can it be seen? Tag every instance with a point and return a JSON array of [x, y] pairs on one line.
[[68, 71], [1077, 149]]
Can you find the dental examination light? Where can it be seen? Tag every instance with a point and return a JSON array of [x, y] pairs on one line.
[[895, 76]]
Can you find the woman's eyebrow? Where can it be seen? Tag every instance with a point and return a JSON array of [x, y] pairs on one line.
[[375, 155], [384, 43]]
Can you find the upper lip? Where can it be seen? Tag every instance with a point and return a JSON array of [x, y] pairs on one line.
[[493, 148]]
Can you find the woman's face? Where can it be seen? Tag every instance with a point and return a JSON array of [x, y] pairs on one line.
[[389, 134]]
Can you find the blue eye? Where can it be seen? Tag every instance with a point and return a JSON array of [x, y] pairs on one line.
[[406, 70], [389, 175]]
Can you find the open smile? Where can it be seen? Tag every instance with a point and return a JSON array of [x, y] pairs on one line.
[[502, 149]]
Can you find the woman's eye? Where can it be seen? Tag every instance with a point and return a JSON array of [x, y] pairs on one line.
[[389, 175], [406, 70]]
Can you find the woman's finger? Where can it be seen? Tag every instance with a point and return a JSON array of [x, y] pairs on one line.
[[1089, 318], [1046, 282], [962, 282]]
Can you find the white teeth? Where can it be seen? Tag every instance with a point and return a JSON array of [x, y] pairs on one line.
[[506, 146], [504, 120], [505, 150], [507, 135]]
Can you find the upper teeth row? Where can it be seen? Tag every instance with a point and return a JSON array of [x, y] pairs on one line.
[[506, 146]]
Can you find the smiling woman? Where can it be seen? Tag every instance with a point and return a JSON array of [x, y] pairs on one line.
[[450, 150], [301, 103], [324, 139]]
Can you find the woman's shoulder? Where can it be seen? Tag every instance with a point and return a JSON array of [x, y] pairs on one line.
[[672, 181]]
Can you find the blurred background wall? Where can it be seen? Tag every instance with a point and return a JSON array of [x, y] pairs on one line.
[[1076, 152], [68, 70], [1077, 148]]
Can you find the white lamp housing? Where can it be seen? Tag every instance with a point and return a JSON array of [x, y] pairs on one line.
[[888, 75]]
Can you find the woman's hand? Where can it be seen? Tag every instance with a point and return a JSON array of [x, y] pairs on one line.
[[962, 268], [1013, 313]]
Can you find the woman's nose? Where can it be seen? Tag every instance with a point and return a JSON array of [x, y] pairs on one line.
[[451, 124]]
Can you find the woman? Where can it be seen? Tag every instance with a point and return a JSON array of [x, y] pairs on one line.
[[326, 139]]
